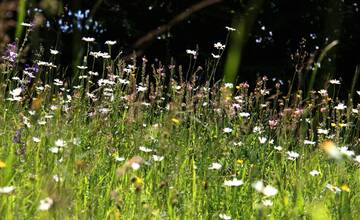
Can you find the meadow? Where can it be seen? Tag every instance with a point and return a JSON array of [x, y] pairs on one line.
[[128, 143]]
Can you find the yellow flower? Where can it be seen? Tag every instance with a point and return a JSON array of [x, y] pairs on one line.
[[345, 188], [240, 162], [2, 164], [333, 124], [176, 121], [138, 182]]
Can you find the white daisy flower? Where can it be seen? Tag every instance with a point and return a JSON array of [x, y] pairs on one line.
[[335, 82], [269, 191], [7, 189], [157, 158], [145, 149], [215, 166], [191, 52], [225, 217], [233, 182], [54, 150], [314, 173], [88, 39], [292, 155], [307, 142], [54, 52], [60, 143], [219, 46], [45, 204], [135, 166], [36, 139], [267, 202], [227, 130], [110, 42], [262, 140]]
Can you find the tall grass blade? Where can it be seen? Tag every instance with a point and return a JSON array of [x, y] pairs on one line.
[[238, 40], [20, 18], [323, 54]]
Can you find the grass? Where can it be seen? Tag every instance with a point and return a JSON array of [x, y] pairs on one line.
[[84, 148]]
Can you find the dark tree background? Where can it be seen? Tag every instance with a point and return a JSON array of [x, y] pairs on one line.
[[276, 35]]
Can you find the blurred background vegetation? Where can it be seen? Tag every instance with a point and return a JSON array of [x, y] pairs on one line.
[[281, 37]]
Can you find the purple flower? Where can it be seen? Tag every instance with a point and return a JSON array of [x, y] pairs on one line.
[[10, 53]]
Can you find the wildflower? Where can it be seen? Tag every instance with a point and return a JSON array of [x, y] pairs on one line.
[[36, 139], [267, 202], [335, 81], [229, 85], [176, 121], [54, 150], [344, 150], [345, 188], [357, 159], [57, 178], [45, 204], [191, 52], [2, 164], [332, 188], [88, 39], [279, 148], [104, 110], [219, 46], [135, 166], [257, 129], [314, 173], [330, 148], [215, 166], [239, 161], [54, 52], [133, 163], [47, 64], [225, 217], [7, 189], [82, 67], [100, 54], [258, 186], [227, 130], [10, 53], [110, 42], [292, 155], [91, 73], [119, 159], [16, 92], [323, 92], [238, 143], [145, 149], [307, 142], [269, 191], [340, 106], [233, 182], [60, 143], [58, 82], [157, 158], [141, 89], [262, 140], [230, 29], [322, 131], [215, 56]]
